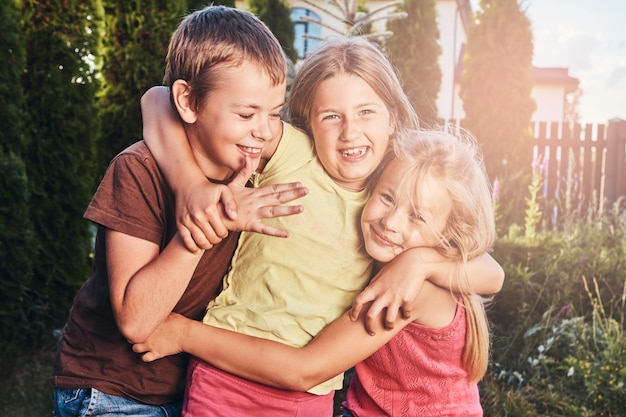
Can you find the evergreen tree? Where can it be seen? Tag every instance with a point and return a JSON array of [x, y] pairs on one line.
[[496, 87], [12, 65], [60, 87], [136, 35], [16, 232], [276, 15], [414, 49]]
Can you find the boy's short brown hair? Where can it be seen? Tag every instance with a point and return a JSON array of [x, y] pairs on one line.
[[217, 36]]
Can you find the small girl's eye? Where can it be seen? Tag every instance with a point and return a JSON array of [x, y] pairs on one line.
[[246, 116], [417, 217], [386, 198]]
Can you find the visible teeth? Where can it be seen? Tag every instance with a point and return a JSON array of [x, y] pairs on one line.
[[251, 150], [354, 151]]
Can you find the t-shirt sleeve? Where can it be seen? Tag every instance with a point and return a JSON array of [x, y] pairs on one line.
[[130, 198], [294, 151]]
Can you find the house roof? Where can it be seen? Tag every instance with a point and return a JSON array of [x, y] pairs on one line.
[[555, 76], [558, 76]]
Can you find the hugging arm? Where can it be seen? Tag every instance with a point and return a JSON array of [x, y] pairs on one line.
[[397, 285], [206, 211], [165, 136], [146, 284], [338, 347]]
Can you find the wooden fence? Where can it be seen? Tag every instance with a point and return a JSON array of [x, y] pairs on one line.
[[583, 167]]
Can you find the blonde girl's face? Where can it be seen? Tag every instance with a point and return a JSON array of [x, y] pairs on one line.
[[390, 222], [351, 127]]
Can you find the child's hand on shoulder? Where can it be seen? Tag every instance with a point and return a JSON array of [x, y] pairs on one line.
[[200, 214], [205, 211], [254, 204], [395, 288]]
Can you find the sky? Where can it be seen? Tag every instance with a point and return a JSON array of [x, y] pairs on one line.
[[588, 38]]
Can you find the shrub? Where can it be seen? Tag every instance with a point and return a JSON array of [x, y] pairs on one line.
[[558, 342]]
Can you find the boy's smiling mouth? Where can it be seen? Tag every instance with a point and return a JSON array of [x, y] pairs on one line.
[[250, 150]]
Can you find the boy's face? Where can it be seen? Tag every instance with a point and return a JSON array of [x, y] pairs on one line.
[[389, 221], [351, 127], [239, 117]]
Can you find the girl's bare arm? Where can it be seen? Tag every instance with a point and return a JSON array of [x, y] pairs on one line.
[[337, 348], [397, 285], [165, 136]]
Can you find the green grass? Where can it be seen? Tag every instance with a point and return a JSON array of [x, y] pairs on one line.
[[25, 388]]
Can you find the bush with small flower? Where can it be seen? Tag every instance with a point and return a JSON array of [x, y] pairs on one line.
[[558, 344]]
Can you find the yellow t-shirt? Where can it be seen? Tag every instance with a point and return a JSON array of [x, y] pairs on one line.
[[289, 289]]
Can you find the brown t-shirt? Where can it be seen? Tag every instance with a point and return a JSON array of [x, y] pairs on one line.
[[133, 198]]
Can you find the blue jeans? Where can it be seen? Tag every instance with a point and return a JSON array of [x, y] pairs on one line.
[[88, 402]]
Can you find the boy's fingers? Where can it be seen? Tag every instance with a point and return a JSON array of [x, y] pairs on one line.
[[214, 230], [228, 202], [203, 236], [243, 175], [189, 242]]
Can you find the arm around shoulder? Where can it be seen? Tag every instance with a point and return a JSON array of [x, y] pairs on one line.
[[485, 275]]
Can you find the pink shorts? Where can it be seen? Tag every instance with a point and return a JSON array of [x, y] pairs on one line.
[[211, 392]]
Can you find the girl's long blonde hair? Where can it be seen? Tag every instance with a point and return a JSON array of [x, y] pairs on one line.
[[454, 160]]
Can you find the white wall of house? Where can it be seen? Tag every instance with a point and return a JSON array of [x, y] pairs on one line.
[[452, 37], [550, 103]]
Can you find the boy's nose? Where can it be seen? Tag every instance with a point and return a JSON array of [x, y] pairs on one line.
[[263, 130]]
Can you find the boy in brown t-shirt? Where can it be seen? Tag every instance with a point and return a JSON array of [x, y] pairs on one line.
[[142, 271]]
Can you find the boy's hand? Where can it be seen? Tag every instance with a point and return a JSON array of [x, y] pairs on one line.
[[165, 340], [199, 214]]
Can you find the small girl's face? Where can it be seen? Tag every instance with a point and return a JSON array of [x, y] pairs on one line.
[[390, 222], [351, 127]]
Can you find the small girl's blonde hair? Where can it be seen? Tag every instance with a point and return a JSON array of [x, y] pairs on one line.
[[455, 162]]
